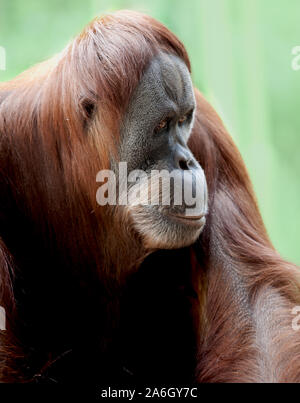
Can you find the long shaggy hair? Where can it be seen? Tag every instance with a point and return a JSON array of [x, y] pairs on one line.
[[64, 260], [247, 330]]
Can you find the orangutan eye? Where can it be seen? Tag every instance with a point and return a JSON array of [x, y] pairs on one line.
[[162, 126], [182, 120], [186, 118]]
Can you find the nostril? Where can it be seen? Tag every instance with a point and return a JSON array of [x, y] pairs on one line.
[[184, 165]]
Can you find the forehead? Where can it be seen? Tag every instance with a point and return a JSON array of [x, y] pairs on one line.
[[166, 84]]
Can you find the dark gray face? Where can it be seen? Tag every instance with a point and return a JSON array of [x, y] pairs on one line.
[[154, 136]]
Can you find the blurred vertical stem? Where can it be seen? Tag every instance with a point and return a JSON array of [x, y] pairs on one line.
[[218, 69], [256, 146]]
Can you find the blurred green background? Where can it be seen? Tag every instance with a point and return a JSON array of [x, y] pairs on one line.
[[241, 53]]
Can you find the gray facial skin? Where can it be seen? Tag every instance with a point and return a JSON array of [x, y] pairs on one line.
[[154, 136]]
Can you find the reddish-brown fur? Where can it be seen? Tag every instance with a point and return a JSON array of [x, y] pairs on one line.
[[247, 333], [63, 258]]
